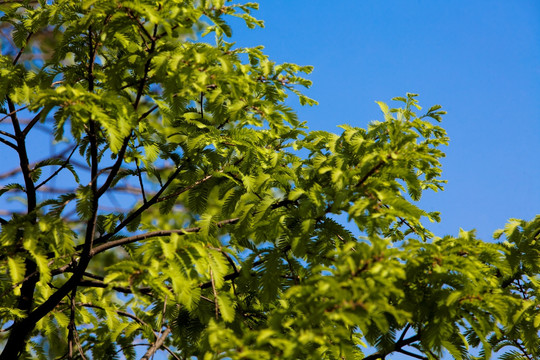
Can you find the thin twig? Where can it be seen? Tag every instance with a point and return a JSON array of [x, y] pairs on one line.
[[163, 313], [16, 170], [369, 173], [397, 346], [122, 151], [106, 245], [216, 304], [146, 69], [5, 133], [119, 312], [22, 48], [231, 262], [404, 332], [11, 113], [403, 221], [79, 346], [146, 290], [522, 349], [71, 325], [405, 352], [202, 109], [115, 168], [32, 123], [171, 352], [183, 190], [208, 300], [140, 181], [93, 129], [58, 170], [11, 145], [6, 329], [144, 115], [140, 26], [121, 289], [142, 208], [130, 346], [295, 277]]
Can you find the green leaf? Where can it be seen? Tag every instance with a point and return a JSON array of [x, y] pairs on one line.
[[383, 106], [226, 308], [16, 269]]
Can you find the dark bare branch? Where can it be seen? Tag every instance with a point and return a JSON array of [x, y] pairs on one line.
[[17, 170], [408, 353], [58, 170], [21, 50], [71, 325], [11, 145], [32, 123], [11, 113], [397, 346], [140, 181], [5, 133], [183, 190], [20, 331]]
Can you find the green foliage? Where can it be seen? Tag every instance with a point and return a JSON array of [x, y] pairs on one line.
[[193, 211]]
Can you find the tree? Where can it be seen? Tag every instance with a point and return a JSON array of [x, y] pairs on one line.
[[186, 209]]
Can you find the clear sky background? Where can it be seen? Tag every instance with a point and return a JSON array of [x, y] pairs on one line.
[[479, 59]]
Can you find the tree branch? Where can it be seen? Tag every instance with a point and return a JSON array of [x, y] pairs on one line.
[[5, 133], [183, 190], [369, 173], [23, 157], [94, 161], [81, 352], [119, 312], [397, 346], [24, 327], [22, 48], [522, 349], [98, 282], [159, 342], [122, 152], [10, 144], [58, 170], [15, 171], [71, 325], [405, 352], [123, 290], [115, 168], [21, 327], [142, 84], [144, 115], [131, 239], [171, 352], [214, 291], [140, 26], [140, 180], [11, 113], [32, 123], [404, 332]]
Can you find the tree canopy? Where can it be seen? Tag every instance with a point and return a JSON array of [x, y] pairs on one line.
[[185, 209]]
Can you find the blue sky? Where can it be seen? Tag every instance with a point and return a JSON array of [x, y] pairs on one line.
[[479, 59]]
